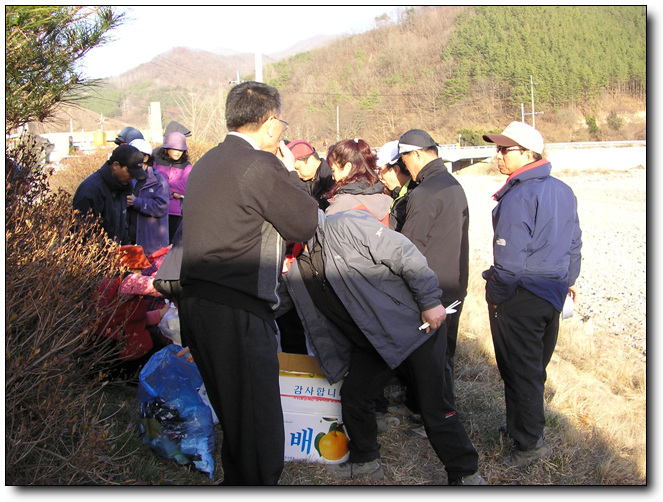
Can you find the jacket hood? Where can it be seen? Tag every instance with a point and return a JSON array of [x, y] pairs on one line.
[[378, 203], [362, 187], [174, 126]]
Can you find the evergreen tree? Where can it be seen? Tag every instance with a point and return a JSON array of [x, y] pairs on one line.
[[43, 45]]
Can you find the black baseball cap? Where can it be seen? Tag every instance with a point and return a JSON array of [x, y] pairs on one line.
[[415, 139], [131, 158]]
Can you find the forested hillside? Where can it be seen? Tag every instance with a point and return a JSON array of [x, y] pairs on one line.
[[455, 71], [467, 70]]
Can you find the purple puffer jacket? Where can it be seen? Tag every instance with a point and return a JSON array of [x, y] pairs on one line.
[[177, 176]]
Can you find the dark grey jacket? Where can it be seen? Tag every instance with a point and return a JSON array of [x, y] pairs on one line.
[[384, 283]]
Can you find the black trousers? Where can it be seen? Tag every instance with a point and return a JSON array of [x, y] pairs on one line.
[[524, 330], [424, 369], [173, 222], [235, 352], [452, 321]]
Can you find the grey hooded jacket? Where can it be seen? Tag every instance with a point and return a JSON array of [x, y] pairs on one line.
[[384, 283]]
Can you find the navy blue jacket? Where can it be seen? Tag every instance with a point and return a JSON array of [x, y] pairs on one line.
[[537, 237], [103, 196], [149, 213]]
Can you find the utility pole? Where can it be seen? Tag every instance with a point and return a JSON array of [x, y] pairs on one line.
[[338, 134], [522, 105], [258, 61], [236, 81]]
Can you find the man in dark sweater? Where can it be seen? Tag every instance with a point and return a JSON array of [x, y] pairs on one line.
[[244, 201]]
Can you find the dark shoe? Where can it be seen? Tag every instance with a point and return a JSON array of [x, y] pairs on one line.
[[418, 432], [351, 470], [523, 458], [472, 479]]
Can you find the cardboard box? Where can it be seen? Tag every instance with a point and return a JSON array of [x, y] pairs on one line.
[[312, 417]]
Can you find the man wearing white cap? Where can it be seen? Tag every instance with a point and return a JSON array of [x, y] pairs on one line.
[[536, 250], [397, 179]]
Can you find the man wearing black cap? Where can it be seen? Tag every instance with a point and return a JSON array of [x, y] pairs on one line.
[[104, 192], [536, 250], [437, 222]]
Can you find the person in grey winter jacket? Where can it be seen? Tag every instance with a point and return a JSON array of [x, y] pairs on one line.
[[363, 291], [370, 289]]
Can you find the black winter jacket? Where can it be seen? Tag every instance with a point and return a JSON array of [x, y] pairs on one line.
[[437, 221]]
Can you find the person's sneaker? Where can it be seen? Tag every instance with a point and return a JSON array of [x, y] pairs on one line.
[[472, 479], [418, 432], [351, 470], [523, 458]]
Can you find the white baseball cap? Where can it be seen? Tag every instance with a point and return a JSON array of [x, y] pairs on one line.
[[142, 145], [518, 134], [388, 154]]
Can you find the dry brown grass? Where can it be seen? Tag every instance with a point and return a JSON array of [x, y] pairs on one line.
[[595, 418]]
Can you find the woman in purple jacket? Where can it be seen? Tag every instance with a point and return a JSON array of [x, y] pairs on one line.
[[173, 162]]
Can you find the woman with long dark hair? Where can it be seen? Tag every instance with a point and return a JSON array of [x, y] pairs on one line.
[[357, 185]]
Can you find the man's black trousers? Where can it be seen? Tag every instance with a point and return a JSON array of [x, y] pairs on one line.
[[524, 330], [236, 354], [424, 369]]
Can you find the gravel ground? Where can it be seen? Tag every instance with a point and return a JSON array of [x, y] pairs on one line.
[[612, 287]]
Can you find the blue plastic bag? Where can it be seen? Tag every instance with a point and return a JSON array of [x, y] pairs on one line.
[[174, 420]]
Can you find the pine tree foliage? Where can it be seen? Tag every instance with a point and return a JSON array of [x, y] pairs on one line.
[[573, 52], [43, 45], [443, 67]]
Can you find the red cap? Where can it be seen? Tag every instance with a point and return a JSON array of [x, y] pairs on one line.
[[300, 148]]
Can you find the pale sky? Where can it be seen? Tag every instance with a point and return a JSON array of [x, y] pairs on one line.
[[152, 30]]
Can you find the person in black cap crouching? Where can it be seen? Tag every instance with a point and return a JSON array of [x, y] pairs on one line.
[[104, 192]]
